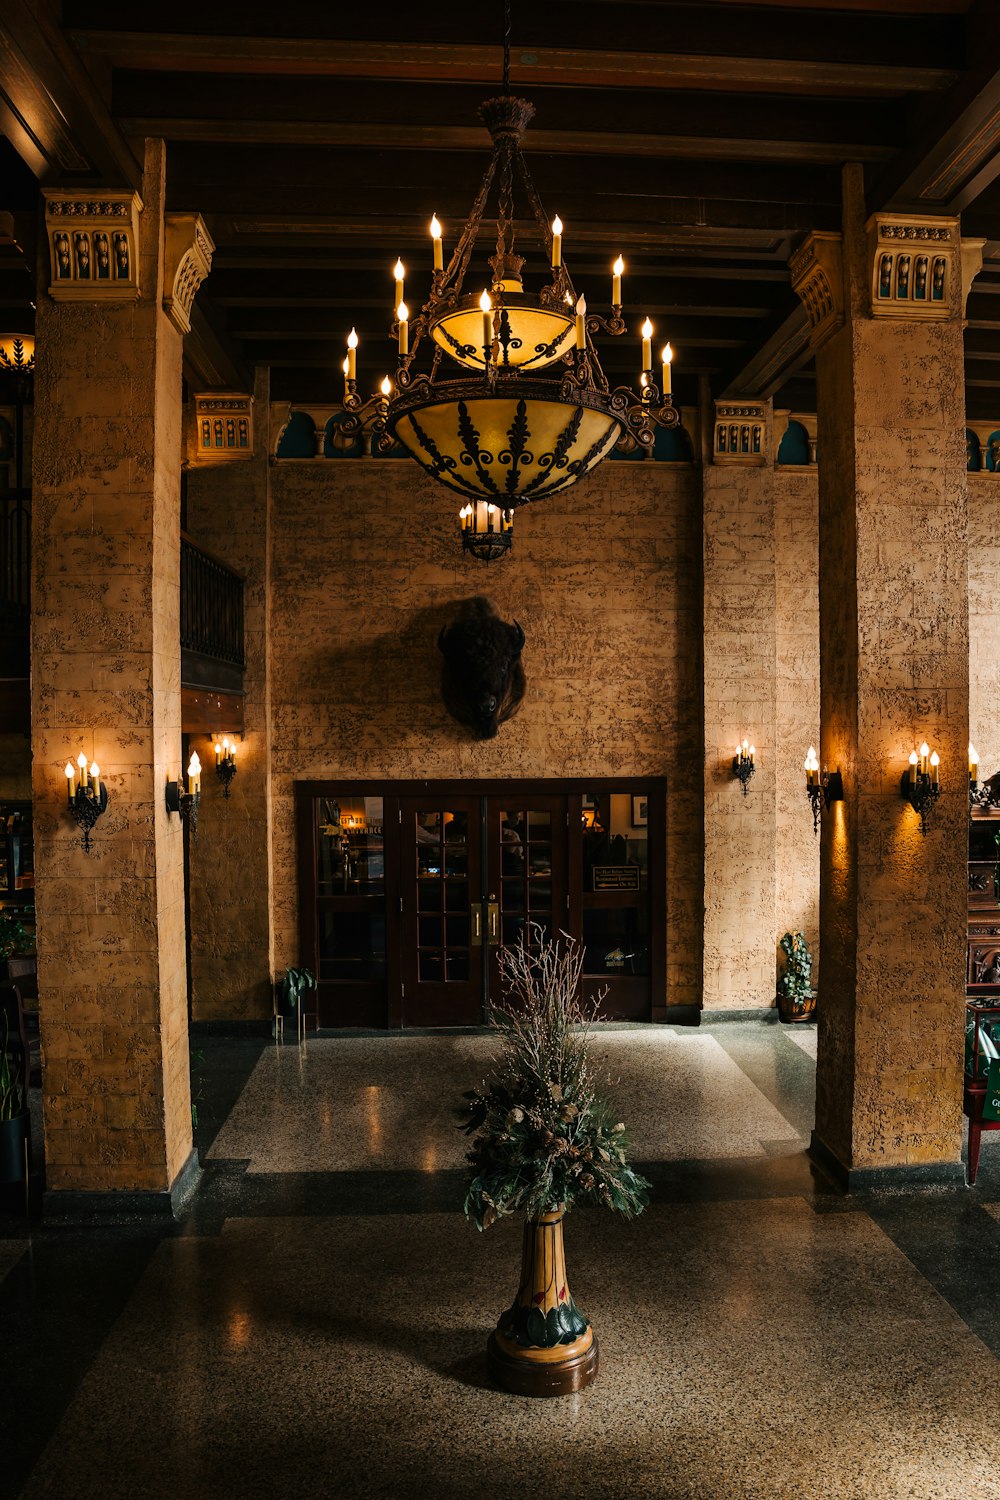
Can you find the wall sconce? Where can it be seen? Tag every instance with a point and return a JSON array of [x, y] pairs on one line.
[[821, 789], [744, 764], [187, 802], [920, 786], [88, 798], [225, 763]]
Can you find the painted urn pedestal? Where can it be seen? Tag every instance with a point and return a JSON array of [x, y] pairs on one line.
[[542, 1344]]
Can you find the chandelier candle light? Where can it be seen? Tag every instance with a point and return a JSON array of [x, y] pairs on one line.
[[86, 798], [515, 405]]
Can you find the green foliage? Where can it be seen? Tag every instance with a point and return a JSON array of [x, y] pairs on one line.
[[12, 1101], [543, 1137], [297, 982], [14, 936], [795, 980]]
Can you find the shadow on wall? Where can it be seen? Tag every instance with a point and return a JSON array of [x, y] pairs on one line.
[[389, 683]]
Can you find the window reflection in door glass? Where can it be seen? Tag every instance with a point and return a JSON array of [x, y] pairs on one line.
[[349, 846], [615, 834]]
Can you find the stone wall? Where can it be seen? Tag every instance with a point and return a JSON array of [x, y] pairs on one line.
[[229, 917], [366, 568], [796, 577], [739, 702]]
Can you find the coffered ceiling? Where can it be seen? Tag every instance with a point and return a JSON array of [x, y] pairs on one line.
[[701, 140]]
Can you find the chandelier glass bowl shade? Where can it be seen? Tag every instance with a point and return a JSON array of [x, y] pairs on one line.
[[515, 406]]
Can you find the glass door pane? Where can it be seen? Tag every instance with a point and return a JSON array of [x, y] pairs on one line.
[[441, 958], [526, 839]]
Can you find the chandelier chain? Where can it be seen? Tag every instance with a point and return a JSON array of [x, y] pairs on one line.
[[506, 49], [505, 220]]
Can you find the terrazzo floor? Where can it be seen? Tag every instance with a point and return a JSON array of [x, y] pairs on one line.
[[315, 1327]]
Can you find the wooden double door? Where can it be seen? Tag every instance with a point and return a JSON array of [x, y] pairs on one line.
[[410, 892]]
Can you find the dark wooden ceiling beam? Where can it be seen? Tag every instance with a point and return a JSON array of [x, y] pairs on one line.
[[415, 106], [50, 108], [955, 154], [783, 354], [409, 138], [565, 67]]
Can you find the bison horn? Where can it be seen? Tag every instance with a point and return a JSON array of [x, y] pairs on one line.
[[520, 635]]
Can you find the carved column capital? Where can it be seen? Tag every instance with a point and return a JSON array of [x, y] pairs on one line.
[[187, 260], [742, 433], [223, 424], [915, 264], [93, 243], [818, 279]]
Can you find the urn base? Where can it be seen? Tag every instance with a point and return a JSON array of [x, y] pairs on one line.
[[523, 1373]]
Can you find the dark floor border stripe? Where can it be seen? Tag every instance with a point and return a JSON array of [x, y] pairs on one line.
[[57, 1307]]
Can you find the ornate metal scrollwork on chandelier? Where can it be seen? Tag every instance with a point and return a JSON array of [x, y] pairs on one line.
[[530, 410]]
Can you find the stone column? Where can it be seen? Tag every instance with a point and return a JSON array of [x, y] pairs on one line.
[[227, 514], [106, 680], [739, 701], [894, 672]]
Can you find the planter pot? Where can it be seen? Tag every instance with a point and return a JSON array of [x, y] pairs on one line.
[[13, 1140], [543, 1345], [796, 1010]]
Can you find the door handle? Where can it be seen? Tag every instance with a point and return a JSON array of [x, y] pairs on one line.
[[476, 912], [493, 910]]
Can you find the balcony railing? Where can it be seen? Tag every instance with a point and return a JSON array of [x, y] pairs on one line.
[[211, 621]]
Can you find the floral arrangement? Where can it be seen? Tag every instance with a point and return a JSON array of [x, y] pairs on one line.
[[544, 1139]]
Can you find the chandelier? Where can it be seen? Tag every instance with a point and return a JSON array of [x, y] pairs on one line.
[[514, 406]]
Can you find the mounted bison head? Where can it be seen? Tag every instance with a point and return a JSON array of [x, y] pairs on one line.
[[482, 680]]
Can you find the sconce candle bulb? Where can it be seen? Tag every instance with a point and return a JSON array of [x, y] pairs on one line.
[[823, 789], [920, 785], [187, 803], [86, 798], [973, 767], [436, 239], [225, 763], [744, 764]]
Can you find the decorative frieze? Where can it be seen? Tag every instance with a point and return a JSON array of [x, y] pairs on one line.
[[817, 278], [93, 246], [187, 260], [741, 432], [224, 423], [914, 262]]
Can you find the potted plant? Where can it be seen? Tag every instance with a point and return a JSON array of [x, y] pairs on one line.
[[796, 998], [296, 984], [543, 1140], [13, 1108]]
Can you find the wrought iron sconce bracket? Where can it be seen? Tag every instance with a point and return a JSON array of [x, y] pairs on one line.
[[921, 794], [225, 771], [829, 789], [184, 803], [743, 770], [86, 809]]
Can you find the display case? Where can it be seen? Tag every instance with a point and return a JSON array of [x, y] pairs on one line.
[[983, 952], [17, 890]]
